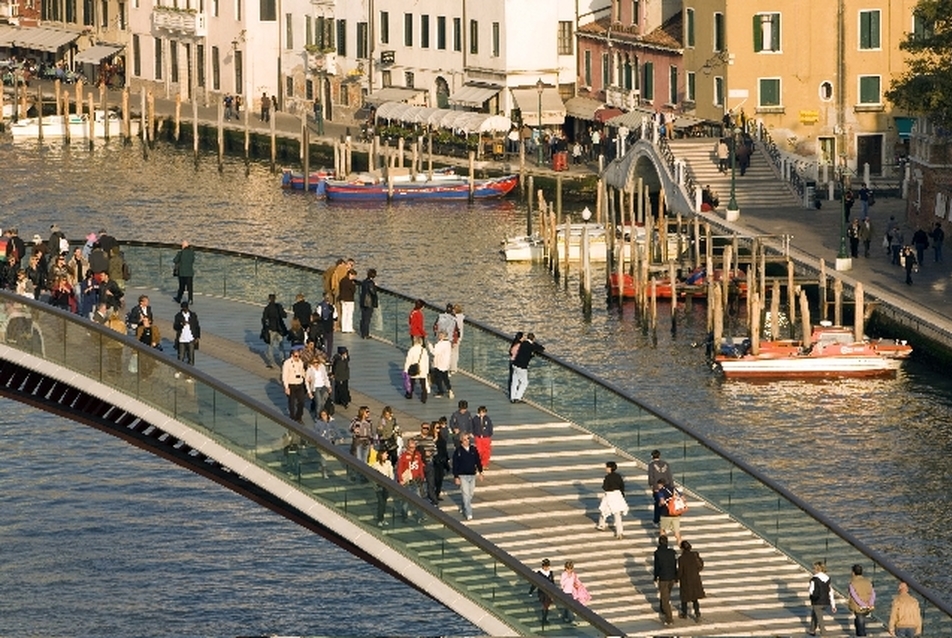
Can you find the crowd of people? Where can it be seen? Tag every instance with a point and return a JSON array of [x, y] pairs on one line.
[[90, 281]]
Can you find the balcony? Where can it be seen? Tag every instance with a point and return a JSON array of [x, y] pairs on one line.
[[176, 21], [620, 98], [9, 10], [322, 61]]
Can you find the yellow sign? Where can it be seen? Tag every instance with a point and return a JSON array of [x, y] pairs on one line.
[[809, 117]]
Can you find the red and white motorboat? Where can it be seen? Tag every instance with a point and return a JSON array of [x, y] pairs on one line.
[[832, 352]]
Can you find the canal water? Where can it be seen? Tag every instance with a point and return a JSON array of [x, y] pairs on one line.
[[872, 455]]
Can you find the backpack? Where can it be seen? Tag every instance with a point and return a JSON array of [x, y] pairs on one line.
[[821, 591], [676, 504]]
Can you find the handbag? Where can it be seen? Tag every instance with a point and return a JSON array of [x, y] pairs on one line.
[[580, 593], [677, 505], [265, 336], [414, 368], [175, 270]]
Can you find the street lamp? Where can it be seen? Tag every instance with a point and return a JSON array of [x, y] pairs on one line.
[[539, 88], [733, 210], [843, 261]]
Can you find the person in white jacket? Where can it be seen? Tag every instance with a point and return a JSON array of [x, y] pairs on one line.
[[442, 353], [613, 500], [318, 384], [416, 367]]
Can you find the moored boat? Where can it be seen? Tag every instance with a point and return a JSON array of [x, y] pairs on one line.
[[523, 248], [75, 125], [831, 352], [694, 285], [443, 187], [315, 181]]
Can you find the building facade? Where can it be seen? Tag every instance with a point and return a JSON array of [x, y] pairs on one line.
[[814, 73]]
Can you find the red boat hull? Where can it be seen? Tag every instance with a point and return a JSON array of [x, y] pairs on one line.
[[697, 289]]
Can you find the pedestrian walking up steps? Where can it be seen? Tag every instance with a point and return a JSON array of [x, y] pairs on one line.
[[759, 187], [539, 499]]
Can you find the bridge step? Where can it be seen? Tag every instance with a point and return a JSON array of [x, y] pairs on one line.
[[759, 187]]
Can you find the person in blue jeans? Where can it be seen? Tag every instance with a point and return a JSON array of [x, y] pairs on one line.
[[905, 619], [466, 467]]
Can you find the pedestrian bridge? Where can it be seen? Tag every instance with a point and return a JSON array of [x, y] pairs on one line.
[[224, 419]]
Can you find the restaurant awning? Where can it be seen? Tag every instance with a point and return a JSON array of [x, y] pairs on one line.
[[686, 121], [607, 113], [904, 126], [395, 94], [527, 100], [6, 35], [582, 108], [474, 95], [39, 38], [98, 53], [631, 119], [466, 122]]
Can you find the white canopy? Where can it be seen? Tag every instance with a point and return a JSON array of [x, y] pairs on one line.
[[464, 121]]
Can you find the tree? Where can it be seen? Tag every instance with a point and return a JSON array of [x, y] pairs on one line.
[[925, 88]]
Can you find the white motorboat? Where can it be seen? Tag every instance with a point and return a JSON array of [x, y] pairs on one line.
[[523, 248], [75, 125]]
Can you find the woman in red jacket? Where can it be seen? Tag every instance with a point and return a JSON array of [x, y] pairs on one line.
[[416, 321]]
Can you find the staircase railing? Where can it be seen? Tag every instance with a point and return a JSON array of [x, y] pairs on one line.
[[298, 456], [776, 158], [736, 487], [688, 182]]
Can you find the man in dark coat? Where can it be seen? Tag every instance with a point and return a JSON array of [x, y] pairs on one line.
[[272, 325], [368, 302], [184, 265], [665, 574], [302, 310]]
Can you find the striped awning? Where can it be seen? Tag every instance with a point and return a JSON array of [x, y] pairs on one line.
[[98, 53], [38, 38], [473, 96], [530, 103], [395, 94], [582, 108]]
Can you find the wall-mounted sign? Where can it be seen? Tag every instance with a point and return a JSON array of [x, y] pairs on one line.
[[387, 57], [809, 117]]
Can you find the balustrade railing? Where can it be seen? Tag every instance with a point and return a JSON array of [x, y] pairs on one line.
[[296, 454], [768, 509]]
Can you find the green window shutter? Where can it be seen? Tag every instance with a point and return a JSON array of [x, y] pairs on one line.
[[648, 86], [775, 32], [758, 34], [864, 30], [770, 92], [874, 30], [869, 90], [690, 13]]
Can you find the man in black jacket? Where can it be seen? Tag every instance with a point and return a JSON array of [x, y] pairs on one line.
[[665, 574], [520, 367], [272, 323]]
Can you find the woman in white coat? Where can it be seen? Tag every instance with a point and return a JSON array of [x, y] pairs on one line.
[[613, 500], [416, 367]]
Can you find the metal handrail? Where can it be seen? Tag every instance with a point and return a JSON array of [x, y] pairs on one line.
[[701, 439], [322, 444]]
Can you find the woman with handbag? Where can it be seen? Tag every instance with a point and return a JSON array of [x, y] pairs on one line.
[[571, 585], [416, 367]]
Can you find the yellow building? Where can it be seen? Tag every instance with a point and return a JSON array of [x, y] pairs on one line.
[[814, 73]]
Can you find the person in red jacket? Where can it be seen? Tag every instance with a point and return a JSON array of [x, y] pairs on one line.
[[416, 321], [410, 473]]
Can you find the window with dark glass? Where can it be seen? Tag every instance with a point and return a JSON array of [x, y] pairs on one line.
[[267, 10], [441, 33]]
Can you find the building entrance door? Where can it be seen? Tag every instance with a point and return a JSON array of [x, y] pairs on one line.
[[869, 150]]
